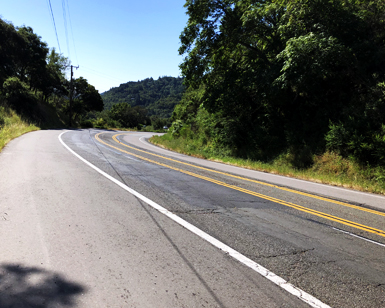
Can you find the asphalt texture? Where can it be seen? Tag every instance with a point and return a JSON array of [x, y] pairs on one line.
[[72, 238]]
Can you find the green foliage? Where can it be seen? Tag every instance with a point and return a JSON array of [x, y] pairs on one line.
[[86, 123], [32, 78], [2, 116], [158, 123], [86, 98], [100, 123], [129, 117], [176, 128], [187, 108], [273, 75], [328, 168], [18, 96], [159, 97]]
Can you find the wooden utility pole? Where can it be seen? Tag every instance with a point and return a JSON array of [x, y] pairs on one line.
[[71, 90]]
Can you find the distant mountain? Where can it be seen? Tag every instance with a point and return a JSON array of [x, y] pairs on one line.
[[159, 97]]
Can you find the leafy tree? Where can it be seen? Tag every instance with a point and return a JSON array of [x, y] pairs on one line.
[[18, 96], [276, 73], [54, 81], [119, 112], [31, 75], [158, 123], [85, 98], [33, 55], [12, 46], [129, 116]]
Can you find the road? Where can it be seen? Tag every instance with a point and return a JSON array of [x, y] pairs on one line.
[[92, 218]]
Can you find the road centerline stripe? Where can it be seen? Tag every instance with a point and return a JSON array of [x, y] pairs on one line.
[[302, 295], [275, 200], [253, 181]]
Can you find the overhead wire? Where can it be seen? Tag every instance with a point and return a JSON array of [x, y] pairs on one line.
[[66, 27], [72, 32], [53, 21], [67, 20], [92, 71]]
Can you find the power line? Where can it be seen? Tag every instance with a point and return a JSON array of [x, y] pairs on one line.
[[63, 3], [72, 33], [54, 24], [92, 71]]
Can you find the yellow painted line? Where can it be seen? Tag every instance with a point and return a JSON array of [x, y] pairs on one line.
[[255, 181], [289, 204]]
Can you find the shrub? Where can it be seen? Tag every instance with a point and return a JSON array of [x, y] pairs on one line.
[[86, 123], [100, 123], [2, 116], [18, 97], [176, 128]]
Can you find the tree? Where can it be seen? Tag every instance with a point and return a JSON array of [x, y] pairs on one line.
[[129, 116], [31, 75], [85, 98], [276, 73], [55, 78], [18, 96], [33, 55]]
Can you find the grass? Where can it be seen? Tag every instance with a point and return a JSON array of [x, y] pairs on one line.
[[328, 168], [12, 126]]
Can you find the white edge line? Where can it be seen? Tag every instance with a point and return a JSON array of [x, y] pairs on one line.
[[360, 237], [307, 298], [159, 148], [279, 176]]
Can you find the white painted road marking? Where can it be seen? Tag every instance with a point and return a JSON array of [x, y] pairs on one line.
[[307, 298], [360, 237]]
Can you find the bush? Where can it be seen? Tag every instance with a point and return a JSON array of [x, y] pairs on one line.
[[2, 116], [18, 97], [359, 139], [176, 128], [100, 123], [113, 123], [86, 123], [147, 128]]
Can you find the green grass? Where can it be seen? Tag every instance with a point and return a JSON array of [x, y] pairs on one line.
[[12, 126], [328, 168]]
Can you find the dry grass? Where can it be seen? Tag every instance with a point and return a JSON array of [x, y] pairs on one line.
[[328, 168], [12, 126]]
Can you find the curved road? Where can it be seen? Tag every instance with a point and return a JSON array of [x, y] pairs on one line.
[[120, 233]]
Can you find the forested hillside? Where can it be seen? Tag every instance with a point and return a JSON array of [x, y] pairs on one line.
[[266, 78], [159, 97]]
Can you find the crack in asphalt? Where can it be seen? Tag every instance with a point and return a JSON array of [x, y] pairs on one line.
[[286, 254], [204, 211]]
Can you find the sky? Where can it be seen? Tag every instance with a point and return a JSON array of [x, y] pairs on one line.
[[112, 41]]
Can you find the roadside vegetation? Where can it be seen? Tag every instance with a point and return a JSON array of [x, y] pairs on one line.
[[291, 87], [12, 126], [327, 168], [145, 105], [34, 91]]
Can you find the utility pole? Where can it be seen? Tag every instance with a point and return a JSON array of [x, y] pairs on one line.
[[71, 90]]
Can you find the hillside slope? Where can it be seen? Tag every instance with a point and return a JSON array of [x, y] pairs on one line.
[[159, 97]]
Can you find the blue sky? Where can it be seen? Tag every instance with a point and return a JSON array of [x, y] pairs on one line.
[[113, 41]]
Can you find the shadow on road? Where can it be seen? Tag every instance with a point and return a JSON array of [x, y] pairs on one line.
[[33, 287]]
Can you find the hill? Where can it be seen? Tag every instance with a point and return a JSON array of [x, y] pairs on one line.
[[159, 97]]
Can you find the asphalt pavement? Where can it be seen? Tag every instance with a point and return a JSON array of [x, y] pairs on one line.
[[72, 237]]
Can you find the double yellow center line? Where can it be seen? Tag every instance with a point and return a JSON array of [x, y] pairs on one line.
[[282, 202]]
